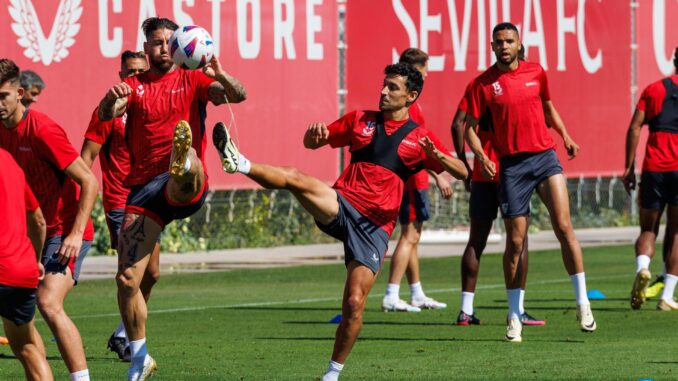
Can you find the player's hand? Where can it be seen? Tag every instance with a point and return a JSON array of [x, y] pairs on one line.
[[41, 271], [489, 168], [70, 248], [629, 180], [214, 68], [429, 147], [444, 186], [121, 90], [318, 132], [571, 147]]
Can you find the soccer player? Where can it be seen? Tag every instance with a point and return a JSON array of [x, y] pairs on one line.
[[516, 94], [165, 109], [414, 210], [484, 203], [361, 209], [54, 170], [658, 108], [110, 136], [22, 240], [32, 85]]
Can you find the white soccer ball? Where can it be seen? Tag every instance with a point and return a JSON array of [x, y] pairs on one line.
[[191, 47]]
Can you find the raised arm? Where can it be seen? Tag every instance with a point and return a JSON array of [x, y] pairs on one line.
[[114, 103], [226, 88], [632, 137], [554, 121]]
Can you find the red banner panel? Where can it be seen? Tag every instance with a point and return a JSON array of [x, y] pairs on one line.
[[283, 51], [583, 45]]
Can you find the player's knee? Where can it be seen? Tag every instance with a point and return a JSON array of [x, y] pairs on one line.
[[49, 306], [355, 305], [127, 283], [515, 245], [152, 275], [563, 228]]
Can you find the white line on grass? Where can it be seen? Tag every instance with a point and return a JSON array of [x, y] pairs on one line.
[[315, 300]]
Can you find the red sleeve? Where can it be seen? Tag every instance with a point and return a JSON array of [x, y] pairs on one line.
[[416, 113], [545, 93], [465, 99], [202, 84], [341, 130], [53, 145], [429, 162], [98, 131], [133, 82], [31, 202], [476, 100]]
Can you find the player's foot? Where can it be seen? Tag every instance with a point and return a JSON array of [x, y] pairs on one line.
[[118, 345], [143, 373], [397, 305], [527, 319], [427, 303], [464, 319], [228, 152], [667, 305], [514, 331], [181, 144], [639, 285], [655, 288], [585, 318]]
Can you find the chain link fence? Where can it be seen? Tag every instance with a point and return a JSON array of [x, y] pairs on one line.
[[261, 218]]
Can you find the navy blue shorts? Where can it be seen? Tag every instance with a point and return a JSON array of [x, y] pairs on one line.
[[414, 206], [50, 259], [658, 189], [17, 304], [484, 201], [364, 241], [114, 219], [520, 174], [151, 201]]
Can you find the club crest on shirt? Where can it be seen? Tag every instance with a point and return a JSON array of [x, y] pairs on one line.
[[369, 128], [496, 87], [140, 91]]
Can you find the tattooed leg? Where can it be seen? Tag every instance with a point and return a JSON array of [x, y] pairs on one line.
[[137, 239]]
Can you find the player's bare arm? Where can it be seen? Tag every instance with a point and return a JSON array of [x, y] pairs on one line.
[[81, 174], [36, 228], [443, 185], [89, 152], [316, 135], [473, 141], [114, 103], [453, 166], [554, 121], [226, 89], [457, 131], [632, 137]]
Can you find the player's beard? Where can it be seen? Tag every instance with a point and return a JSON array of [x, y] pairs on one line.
[[507, 61], [162, 65]]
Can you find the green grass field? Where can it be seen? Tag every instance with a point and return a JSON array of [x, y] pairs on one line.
[[273, 325]]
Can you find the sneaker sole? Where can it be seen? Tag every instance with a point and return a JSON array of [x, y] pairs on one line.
[[663, 306], [181, 144], [394, 310], [149, 371], [534, 323], [518, 339], [638, 290]]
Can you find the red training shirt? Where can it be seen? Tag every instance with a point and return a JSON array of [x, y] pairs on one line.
[[485, 140], [418, 181], [114, 158], [515, 100], [157, 103], [661, 154], [375, 191], [18, 263], [42, 150]]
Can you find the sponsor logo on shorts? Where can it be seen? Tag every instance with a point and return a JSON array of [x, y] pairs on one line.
[[504, 208], [375, 257]]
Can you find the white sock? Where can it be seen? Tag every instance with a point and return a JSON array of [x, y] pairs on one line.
[[138, 351], [81, 375], [467, 302], [642, 262], [333, 370], [579, 284], [120, 331], [244, 165], [416, 291], [392, 291], [187, 165], [521, 303], [670, 281], [513, 295]]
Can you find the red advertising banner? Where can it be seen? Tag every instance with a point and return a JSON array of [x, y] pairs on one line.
[[583, 45], [283, 51]]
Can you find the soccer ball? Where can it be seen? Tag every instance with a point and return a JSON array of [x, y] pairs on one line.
[[191, 47]]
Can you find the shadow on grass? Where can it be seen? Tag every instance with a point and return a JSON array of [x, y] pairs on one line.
[[556, 308], [411, 339], [5, 356], [423, 324], [271, 308]]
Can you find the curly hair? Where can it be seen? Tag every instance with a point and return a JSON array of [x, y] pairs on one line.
[[9, 71], [152, 24], [415, 82]]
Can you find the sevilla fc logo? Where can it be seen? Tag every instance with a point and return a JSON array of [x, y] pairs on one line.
[[27, 27]]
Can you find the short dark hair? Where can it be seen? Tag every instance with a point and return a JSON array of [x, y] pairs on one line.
[[9, 71], [29, 79], [505, 26], [675, 58], [415, 82], [413, 56], [127, 54], [152, 24], [521, 52]]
